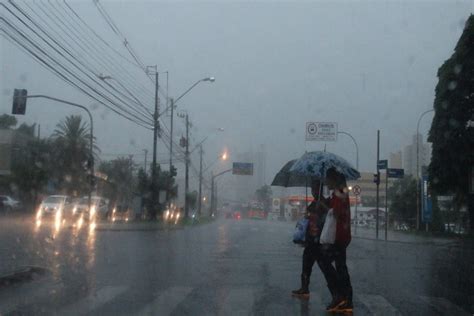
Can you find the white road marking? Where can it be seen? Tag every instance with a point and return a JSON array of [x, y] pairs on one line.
[[443, 306], [166, 301], [378, 305], [93, 301], [238, 301]]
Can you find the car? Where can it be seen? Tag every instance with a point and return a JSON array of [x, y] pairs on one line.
[[121, 213], [99, 207], [236, 215], [57, 206], [8, 204]]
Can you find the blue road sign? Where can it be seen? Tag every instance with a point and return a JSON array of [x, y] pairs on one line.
[[395, 173], [242, 168], [382, 164], [427, 210]]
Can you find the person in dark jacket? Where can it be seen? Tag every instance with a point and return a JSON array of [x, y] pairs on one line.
[[316, 213], [337, 278]]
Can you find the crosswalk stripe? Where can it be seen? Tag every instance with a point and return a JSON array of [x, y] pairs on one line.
[[443, 306], [378, 305], [239, 301], [167, 301], [93, 301]]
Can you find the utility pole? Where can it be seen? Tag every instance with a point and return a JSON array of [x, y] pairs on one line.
[[386, 203], [171, 134], [155, 139], [200, 181], [378, 185], [186, 185], [146, 154], [212, 194]]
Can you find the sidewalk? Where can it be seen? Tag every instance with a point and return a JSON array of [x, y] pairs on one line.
[[405, 237]]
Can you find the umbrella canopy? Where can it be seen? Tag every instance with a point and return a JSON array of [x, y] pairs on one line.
[[316, 163], [286, 178]]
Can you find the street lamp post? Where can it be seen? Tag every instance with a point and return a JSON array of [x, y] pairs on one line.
[[356, 146], [213, 188], [418, 198], [172, 105]]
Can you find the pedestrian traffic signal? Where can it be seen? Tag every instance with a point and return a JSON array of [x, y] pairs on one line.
[[19, 101]]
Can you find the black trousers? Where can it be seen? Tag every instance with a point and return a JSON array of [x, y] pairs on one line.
[[337, 278], [311, 254]]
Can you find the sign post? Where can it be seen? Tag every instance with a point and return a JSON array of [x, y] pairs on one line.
[[321, 131], [383, 165], [356, 189], [427, 207]]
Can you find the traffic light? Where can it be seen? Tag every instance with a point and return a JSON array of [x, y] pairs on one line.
[[19, 101], [376, 178], [183, 142], [173, 171]]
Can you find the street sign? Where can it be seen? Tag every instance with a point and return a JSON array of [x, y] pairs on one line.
[[427, 210], [356, 190], [321, 131], [395, 173], [242, 168], [382, 164]]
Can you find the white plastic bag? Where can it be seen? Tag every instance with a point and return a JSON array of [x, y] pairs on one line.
[[328, 234]]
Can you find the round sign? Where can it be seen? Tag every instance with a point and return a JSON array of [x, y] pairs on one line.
[[356, 190], [312, 128]]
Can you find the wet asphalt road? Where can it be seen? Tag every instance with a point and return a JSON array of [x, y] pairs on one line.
[[227, 267]]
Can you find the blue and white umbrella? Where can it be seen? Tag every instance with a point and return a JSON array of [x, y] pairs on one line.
[[317, 163]]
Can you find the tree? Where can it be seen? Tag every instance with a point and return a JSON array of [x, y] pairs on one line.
[[403, 200], [165, 182], [264, 196], [7, 121], [192, 198], [120, 172], [30, 167], [72, 154], [451, 133]]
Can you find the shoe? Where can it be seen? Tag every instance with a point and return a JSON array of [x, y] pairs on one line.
[[333, 307], [301, 293], [347, 307]]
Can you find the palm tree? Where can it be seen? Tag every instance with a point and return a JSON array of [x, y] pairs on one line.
[[72, 153]]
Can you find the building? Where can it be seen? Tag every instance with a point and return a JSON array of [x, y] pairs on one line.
[[368, 188], [409, 155], [395, 160]]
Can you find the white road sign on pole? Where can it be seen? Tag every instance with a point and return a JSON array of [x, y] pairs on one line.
[[356, 190], [321, 131]]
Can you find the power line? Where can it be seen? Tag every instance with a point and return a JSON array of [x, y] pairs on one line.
[[65, 57], [51, 68], [83, 26], [86, 51], [124, 40]]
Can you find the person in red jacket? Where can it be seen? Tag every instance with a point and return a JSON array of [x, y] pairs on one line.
[[337, 278]]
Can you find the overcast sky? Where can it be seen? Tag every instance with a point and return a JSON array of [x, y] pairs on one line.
[[366, 65]]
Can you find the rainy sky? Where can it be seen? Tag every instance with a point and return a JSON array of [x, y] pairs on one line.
[[366, 65]]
